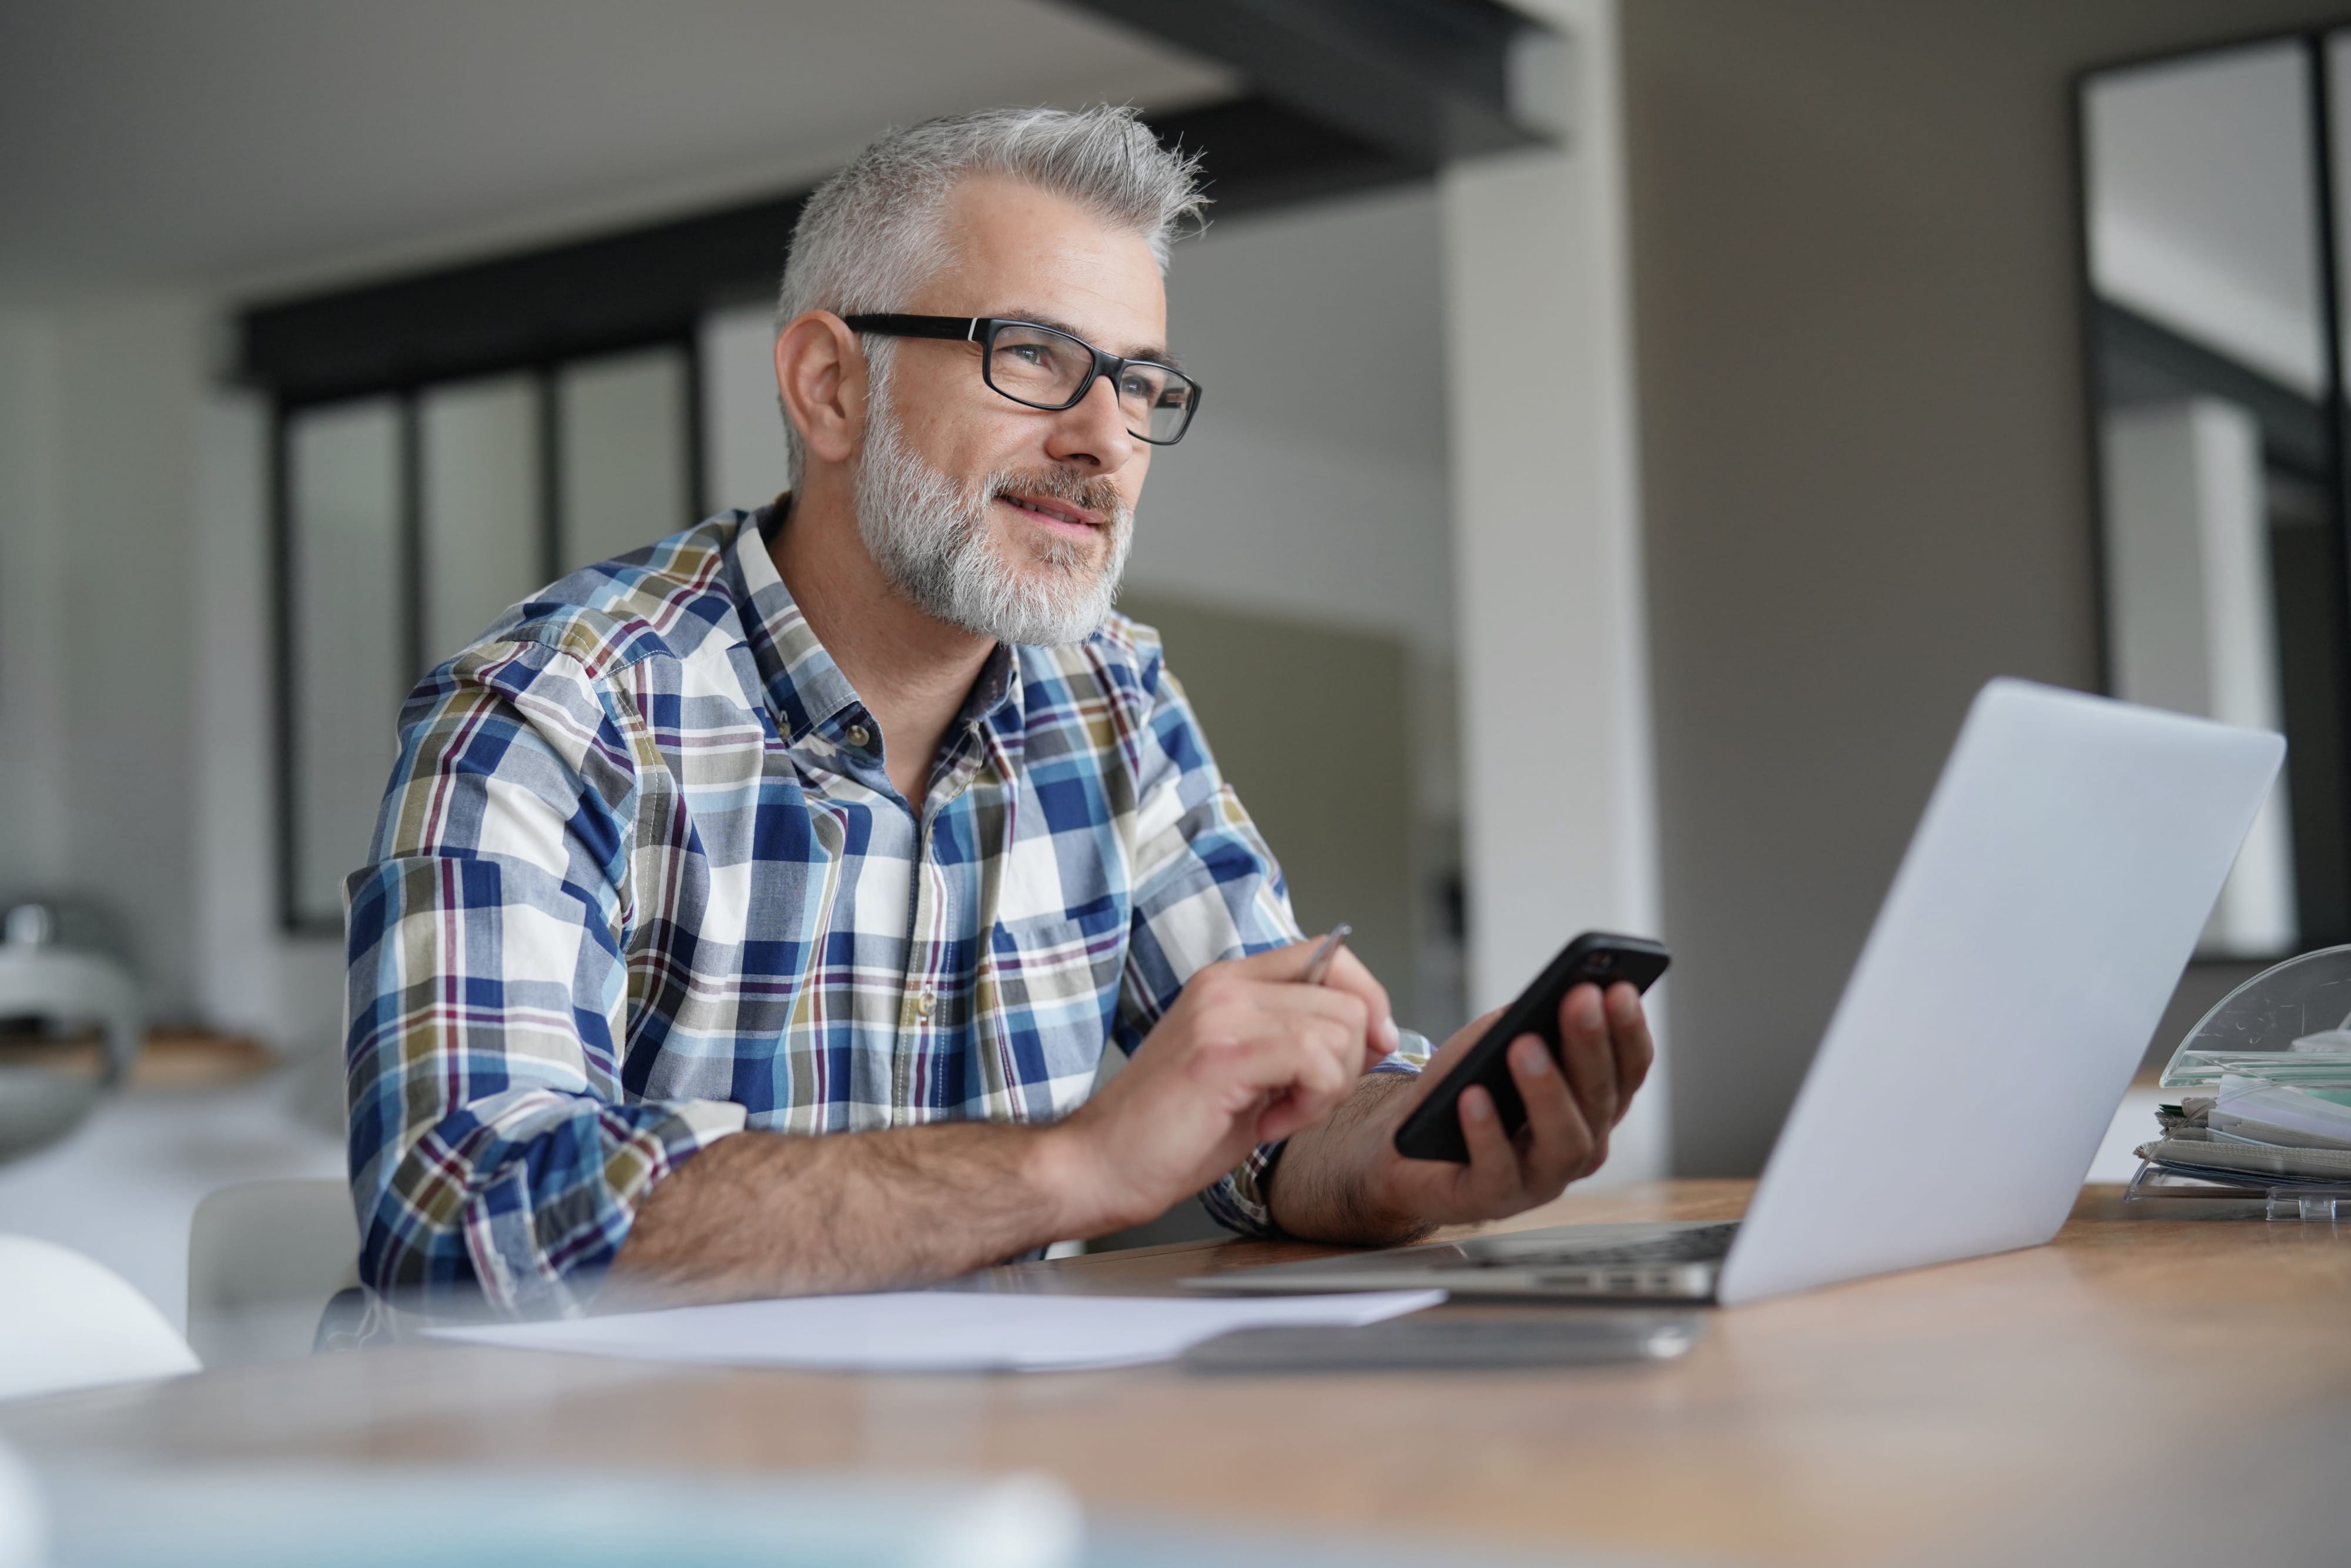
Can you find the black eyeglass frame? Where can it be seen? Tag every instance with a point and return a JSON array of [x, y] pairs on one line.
[[982, 330]]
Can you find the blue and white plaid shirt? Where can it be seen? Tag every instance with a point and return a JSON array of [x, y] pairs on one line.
[[641, 882]]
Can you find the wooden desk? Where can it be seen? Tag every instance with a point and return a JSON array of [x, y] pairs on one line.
[[2026, 1398]]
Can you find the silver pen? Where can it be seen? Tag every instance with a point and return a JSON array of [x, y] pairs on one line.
[[1327, 949]]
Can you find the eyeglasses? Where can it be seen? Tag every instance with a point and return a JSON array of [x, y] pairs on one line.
[[1041, 367]]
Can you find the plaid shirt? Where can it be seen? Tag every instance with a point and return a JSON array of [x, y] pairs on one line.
[[641, 882]]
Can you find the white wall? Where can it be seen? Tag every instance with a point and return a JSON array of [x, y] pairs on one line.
[[33, 825], [101, 410], [1547, 542], [1313, 485]]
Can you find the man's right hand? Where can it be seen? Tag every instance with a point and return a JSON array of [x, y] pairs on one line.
[[1247, 1055]]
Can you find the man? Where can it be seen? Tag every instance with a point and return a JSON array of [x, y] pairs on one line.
[[864, 816]]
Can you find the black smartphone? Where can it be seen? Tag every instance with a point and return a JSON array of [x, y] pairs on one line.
[[1433, 1131]]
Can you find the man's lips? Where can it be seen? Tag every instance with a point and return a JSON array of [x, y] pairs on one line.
[[1067, 514]]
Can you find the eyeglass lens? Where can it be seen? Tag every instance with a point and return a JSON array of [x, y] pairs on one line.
[[1039, 366]]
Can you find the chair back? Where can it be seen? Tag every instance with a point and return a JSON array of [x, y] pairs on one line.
[[263, 1260]]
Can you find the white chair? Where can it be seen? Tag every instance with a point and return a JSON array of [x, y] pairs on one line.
[[69, 1322], [263, 1260]]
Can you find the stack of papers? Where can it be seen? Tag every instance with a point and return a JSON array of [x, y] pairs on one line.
[[940, 1330], [2257, 1133]]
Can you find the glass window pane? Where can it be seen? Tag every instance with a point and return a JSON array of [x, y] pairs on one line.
[[480, 507], [2204, 229], [2203, 215], [622, 437], [742, 428], [347, 641]]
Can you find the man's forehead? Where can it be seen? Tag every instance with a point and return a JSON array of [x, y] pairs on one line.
[[1021, 252]]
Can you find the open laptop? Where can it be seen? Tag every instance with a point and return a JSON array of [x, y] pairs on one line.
[[2054, 891]]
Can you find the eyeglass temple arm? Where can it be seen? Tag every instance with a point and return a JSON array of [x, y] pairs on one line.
[[963, 328]]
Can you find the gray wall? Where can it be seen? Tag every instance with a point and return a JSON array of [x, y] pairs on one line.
[[1863, 460]]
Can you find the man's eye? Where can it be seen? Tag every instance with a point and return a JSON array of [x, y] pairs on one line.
[[1141, 388], [1031, 354]]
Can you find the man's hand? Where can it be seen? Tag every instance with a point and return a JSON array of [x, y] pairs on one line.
[[1247, 1055], [1343, 1181]]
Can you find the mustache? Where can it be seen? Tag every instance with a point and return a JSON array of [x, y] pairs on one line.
[[1095, 493]]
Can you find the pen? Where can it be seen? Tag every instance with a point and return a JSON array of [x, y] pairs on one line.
[[1327, 949]]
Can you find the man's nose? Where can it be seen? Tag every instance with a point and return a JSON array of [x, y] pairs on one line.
[[1091, 432]]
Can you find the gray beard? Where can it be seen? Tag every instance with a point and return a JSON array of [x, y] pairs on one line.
[[930, 536]]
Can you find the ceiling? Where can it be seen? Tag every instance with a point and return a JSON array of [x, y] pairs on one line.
[[255, 143]]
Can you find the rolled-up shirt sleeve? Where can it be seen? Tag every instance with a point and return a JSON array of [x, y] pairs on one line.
[[496, 1146], [1207, 888]]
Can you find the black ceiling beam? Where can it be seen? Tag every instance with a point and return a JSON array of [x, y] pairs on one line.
[[1425, 80], [611, 291], [1257, 153], [564, 300]]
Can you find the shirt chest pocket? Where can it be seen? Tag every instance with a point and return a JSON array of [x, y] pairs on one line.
[[1050, 988]]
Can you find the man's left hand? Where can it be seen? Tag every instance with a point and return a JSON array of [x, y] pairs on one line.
[[1344, 1180]]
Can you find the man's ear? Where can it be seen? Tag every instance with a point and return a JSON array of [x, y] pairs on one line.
[[820, 372]]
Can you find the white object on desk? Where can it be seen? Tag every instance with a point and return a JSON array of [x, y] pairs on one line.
[[39, 1106], [69, 1322], [939, 1331]]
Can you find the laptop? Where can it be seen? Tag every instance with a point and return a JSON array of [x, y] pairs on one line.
[[2050, 898]]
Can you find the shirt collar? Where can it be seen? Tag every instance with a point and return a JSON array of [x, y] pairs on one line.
[[805, 688]]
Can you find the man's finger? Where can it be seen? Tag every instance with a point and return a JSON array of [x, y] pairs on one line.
[[1316, 1072], [1346, 976], [1587, 1056], [1493, 1163], [1297, 1004], [1637, 1050], [1556, 1145], [1276, 1047], [1349, 974]]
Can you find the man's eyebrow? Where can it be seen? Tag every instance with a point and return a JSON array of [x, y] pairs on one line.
[[1156, 354]]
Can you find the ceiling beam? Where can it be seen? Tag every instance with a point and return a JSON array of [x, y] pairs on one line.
[[1425, 81]]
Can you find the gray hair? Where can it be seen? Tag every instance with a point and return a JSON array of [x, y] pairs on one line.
[[871, 234]]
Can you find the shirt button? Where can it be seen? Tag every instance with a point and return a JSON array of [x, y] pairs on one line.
[[859, 736], [928, 1003]]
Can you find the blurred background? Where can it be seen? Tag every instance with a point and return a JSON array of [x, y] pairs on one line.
[[1635, 433]]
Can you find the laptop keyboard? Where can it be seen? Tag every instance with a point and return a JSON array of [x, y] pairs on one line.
[[1700, 1244]]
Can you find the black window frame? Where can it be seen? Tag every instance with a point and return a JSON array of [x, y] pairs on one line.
[[544, 372]]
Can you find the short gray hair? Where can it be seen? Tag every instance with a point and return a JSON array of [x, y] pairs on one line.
[[871, 234]]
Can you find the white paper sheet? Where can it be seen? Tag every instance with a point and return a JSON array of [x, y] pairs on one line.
[[939, 1331]]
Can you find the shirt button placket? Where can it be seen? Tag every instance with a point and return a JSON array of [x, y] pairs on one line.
[[918, 1006]]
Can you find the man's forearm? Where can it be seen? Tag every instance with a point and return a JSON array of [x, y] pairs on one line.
[[763, 1213], [1320, 1186]]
